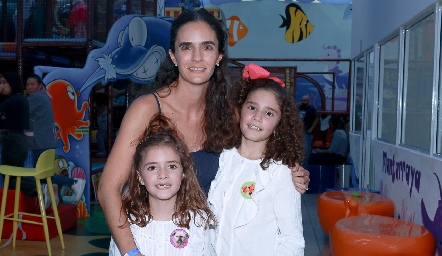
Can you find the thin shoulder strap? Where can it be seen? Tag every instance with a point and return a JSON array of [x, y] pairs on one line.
[[158, 102]]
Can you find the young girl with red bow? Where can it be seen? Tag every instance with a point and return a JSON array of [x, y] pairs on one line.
[[257, 208]]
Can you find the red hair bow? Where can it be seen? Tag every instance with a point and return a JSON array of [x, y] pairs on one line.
[[254, 71]]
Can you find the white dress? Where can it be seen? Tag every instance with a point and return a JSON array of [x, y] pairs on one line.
[[258, 211], [164, 238]]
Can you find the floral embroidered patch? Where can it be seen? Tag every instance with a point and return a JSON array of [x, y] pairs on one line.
[[179, 238], [247, 189]]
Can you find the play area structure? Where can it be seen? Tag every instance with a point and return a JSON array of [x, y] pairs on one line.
[[59, 32]]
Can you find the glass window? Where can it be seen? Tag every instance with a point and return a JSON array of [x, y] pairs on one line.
[[439, 114], [388, 90], [370, 84], [358, 94], [418, 84]]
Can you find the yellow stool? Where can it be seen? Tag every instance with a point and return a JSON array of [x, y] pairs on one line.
[[44, 170]]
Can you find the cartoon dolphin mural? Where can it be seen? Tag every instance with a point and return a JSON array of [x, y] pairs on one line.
[[434, 226], [138, 55]]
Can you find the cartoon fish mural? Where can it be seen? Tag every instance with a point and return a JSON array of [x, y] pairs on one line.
[[347, 12], [61, 166], [68, 119], [331, 52], [237, 30], [297, 26]]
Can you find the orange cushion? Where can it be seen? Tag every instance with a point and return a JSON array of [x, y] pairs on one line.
[[367, 235]]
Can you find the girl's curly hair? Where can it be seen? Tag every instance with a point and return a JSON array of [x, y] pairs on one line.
[[190, 200], [286, 143], [219, 123]]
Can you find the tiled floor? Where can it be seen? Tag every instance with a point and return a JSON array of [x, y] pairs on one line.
[[316, 241], [91, 236]]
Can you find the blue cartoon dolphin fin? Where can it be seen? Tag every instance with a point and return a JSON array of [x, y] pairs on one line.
[[138, 55], [93, 79]]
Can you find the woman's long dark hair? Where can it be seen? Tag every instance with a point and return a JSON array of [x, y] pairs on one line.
[[219, 123]]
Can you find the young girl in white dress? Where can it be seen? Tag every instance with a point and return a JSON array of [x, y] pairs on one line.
[[165, 207], [257, 208]]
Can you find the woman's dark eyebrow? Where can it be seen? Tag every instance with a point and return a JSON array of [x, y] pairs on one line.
[[209, 42], [184, 44], [189, 43]]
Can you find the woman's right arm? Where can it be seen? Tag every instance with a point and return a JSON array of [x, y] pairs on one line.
[[118, 167]]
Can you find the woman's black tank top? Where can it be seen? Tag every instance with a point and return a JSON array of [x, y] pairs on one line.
[[206, 163]]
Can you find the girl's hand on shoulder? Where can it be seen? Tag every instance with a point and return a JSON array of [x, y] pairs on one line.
[[300, 178]]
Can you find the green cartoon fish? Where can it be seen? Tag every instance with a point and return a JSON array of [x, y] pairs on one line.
[[298, 27]]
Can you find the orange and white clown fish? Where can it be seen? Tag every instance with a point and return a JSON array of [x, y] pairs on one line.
[[298, 27], [237, 29]]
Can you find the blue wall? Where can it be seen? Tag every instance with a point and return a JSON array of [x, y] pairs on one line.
[[373, 20]]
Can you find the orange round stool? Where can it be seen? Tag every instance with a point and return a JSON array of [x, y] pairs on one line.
[[331, 206], [367, 235]]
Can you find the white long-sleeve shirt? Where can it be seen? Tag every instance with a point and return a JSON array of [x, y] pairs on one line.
[[258, 211]]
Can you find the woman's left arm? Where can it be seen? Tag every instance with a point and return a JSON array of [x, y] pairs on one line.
[[287, 207], [300, 178]]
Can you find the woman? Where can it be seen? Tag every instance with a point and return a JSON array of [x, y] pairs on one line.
[[337, 152], [192, 89], [15, 112], [42, 132], [41, 118]]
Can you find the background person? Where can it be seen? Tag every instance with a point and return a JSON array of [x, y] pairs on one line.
[[78, 18], [15, 113], [324, 128], [100, 101], [41, 135], [337, 152], [309, 115], [41, 118], [27, 12]]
